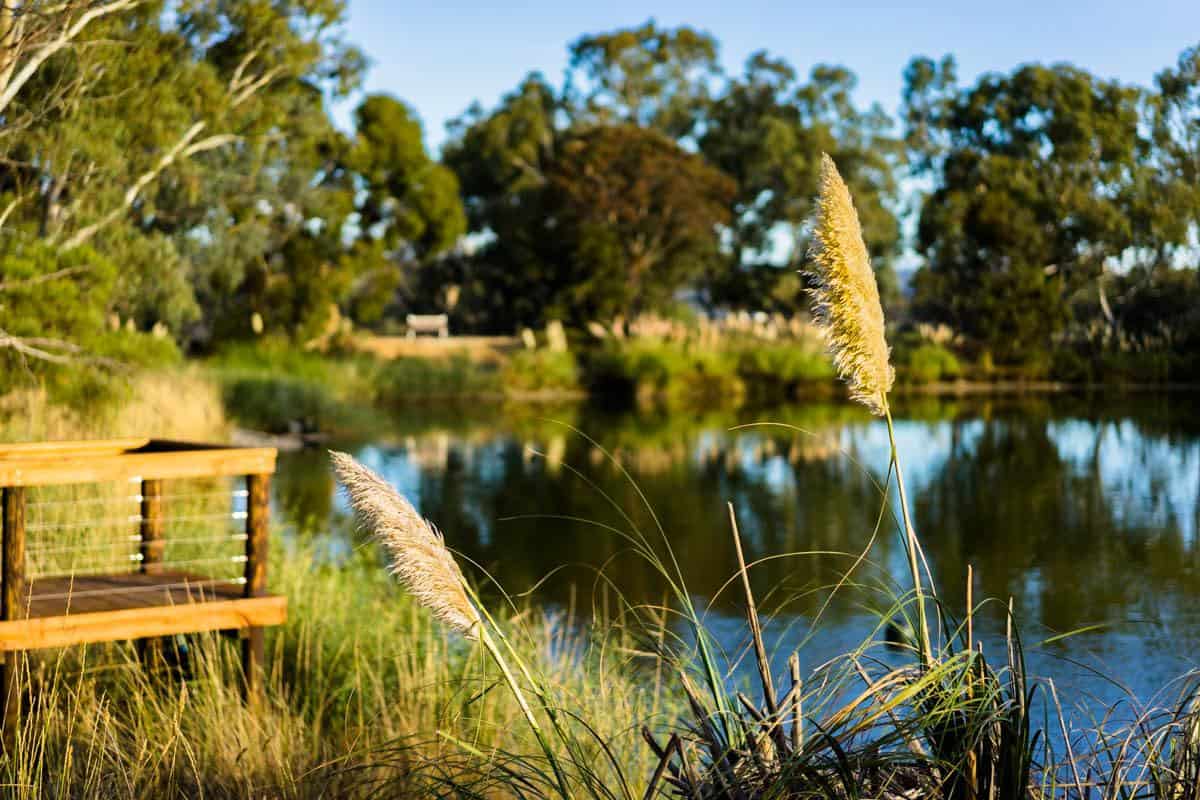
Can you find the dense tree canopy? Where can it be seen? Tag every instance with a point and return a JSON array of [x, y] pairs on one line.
[[1042, 180], [173, 165]]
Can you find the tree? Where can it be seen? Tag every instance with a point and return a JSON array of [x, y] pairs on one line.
[[1174, 208], [408, 209], [1037, 180], [768, 131], [642, 216], [181, 127], [34, 31], [646, 76], [410, 200], [579, 221]]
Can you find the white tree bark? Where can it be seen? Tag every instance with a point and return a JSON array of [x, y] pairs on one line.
[[26, 46]]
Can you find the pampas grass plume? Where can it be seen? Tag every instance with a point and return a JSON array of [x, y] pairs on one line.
[[417, 551], [845, 297]]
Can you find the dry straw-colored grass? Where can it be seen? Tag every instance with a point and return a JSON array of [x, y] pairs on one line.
[[845, 296]]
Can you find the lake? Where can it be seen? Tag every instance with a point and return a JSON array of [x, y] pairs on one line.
[[1083, 509]]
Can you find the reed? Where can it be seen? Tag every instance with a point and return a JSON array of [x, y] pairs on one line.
[[846, 305], [420, 559]]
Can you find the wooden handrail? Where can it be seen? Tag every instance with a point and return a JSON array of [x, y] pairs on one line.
[[37, 467]]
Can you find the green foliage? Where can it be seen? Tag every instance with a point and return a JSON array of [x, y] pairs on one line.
[[533, 371], [595, 222], [404, 380], [926, 362], [409, 198], [767, 130], [272, 385], [1040, 180], [646, 76], [648, 370], [54, 317], [784, 366], [187, 146]]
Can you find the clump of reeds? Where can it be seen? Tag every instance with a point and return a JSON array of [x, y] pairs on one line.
[[425, 566]]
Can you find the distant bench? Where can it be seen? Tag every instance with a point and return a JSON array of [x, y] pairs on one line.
[[431, 324]]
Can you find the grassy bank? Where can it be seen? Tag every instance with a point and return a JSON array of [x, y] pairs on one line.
[[365, 693], [272, 386], [368, 696]]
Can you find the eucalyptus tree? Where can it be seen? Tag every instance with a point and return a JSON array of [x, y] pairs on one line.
[[1039, 179], [768, 130]]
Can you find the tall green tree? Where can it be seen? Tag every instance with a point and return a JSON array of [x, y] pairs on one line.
[[184, 125], [576, 221], [767, 130], [1038, 176], [407, 209], [646, 75], [642, 216]]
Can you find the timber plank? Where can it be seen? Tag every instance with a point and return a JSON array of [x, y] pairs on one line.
[[135, 623], [39, 469], [73, 609]]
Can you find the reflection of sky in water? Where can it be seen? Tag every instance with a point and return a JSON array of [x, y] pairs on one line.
[[1151, 481], [1147, 481]]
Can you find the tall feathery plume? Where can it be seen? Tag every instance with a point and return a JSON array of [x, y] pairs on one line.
[[420, 559], [846, 305], [845, 296], [418, 553]]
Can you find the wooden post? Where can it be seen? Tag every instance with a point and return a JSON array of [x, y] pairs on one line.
[[152, 546], [258, 513], [153, 541], [12, 606]]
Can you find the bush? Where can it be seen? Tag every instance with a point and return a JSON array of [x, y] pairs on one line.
[[785, 365], [541, 371], [927, 362], [407, 379], [654, 369], [273, 385]]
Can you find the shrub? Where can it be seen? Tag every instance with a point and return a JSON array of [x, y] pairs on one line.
[[407, 379], [927, 363], [271, 384], [663, 370], [541, 371], [782, 364]]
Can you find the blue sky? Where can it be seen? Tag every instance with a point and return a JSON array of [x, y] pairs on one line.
[[441, 56]]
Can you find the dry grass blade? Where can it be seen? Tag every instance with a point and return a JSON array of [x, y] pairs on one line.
[[417, 551]]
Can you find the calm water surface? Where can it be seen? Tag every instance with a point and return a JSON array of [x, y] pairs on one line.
[[1083, 510]]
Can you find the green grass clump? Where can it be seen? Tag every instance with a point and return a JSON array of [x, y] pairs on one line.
[[408, 379], [652, 369], [541, 371], [783, 366], [273, 385], [927, 363]]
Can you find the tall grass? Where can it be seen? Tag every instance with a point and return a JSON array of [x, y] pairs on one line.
[[359, 683], [369, 694]]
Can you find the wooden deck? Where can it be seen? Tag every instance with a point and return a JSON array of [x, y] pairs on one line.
[[101, 608], [158, 599]]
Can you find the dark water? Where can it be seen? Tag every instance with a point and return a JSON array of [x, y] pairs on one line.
[[1083, 510]]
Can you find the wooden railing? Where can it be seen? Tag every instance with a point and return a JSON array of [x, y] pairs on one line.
[[153, 599]]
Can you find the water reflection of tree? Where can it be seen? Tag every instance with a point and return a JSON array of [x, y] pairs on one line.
[[793, 492], [1001, 492], [1045, 531]]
